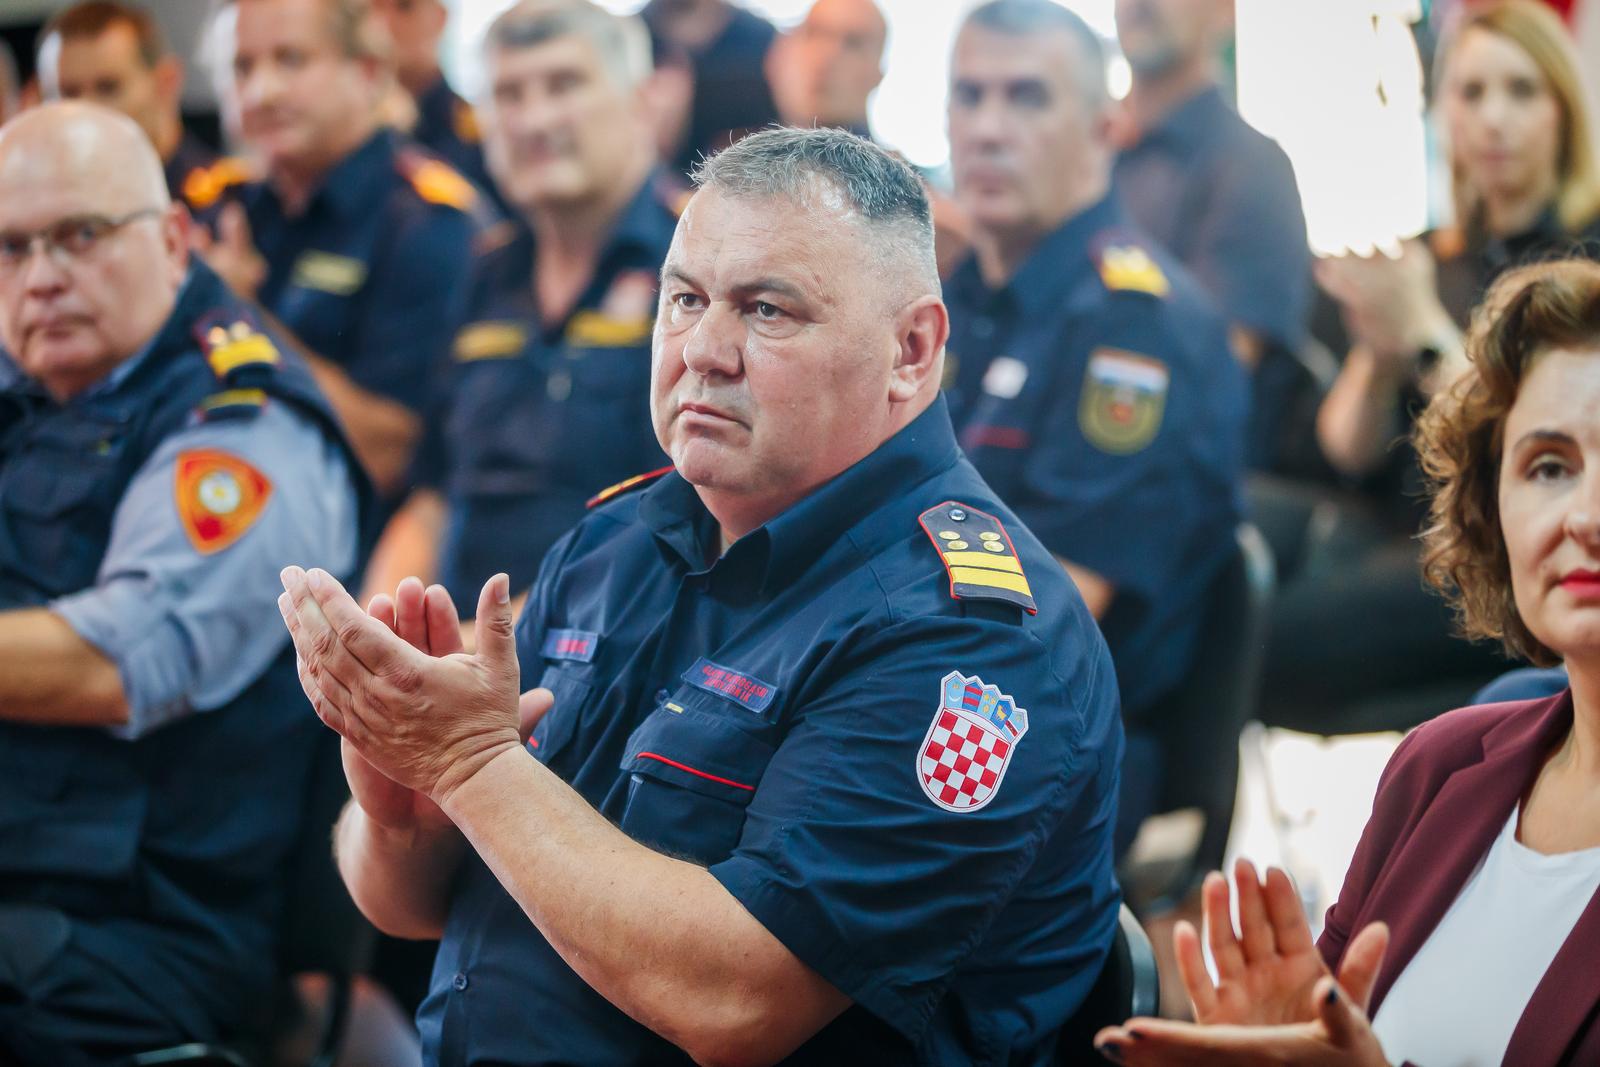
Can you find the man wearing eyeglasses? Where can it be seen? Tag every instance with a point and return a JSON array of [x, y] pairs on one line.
[[160, 457]]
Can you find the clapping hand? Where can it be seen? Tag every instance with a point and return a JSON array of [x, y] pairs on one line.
[[413, 710], [1273, 1000]]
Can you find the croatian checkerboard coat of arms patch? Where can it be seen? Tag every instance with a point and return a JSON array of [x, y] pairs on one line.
[[974, 734]]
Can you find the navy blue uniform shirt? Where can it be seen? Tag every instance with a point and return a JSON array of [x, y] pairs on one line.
[[1222, 198], [802, 717], [541, 416], [372, 275], [1097, 394]]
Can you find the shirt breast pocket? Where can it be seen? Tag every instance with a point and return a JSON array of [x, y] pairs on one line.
[[554, 731], [691, 777]]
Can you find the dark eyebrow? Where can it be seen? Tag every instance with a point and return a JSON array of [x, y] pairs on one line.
[[671, 272], [1549, 437], [770, 285]]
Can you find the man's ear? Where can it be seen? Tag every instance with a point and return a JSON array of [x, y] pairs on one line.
[[176, 224], [921, 329]]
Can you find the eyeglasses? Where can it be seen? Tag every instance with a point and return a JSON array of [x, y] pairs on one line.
[[68, 240]]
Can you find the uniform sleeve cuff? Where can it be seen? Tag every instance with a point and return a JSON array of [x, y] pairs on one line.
[[806, 931], [152, 656]]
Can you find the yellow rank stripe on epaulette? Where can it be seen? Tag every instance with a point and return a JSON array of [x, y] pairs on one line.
[[614, 491], [234, 398], [438, 183], [977, 554], [1129, 267], [228, 349]]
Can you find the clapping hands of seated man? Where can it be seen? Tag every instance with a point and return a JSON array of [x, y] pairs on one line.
[[1273, 1000], [416, 714]]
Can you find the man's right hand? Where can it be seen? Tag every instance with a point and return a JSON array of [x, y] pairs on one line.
[[428, 621]]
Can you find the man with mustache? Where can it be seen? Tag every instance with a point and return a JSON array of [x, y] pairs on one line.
[[549, 393], [355, 241], [824, 750], [158, 451], [1093, 385]]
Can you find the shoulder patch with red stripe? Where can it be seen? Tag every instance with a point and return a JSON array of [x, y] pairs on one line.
[[627, 484], [978, 555]]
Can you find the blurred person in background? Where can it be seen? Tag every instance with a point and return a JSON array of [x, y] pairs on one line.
[[10, 84], [548, 400], [161, 456], [1218, 195], [824, 71], [1088, 375], [114, 53], [1353, 628], [1469, 921], [357, 242], [446, 124], [726, 48]]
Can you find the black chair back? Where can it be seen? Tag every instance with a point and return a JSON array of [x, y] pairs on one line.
[[1199, 725], [1128, 985]]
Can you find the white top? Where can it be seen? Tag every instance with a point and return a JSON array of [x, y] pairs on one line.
[[1459, 999]]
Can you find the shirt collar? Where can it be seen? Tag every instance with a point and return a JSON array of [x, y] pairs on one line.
[[173, 332], [783, 547], [352, 185], [1050, 268]]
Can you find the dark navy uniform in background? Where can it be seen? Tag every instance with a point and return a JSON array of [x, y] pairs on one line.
[[912, 790], [141, 865], [1097, 394], [1222, 198], [372, 276], [541, 416]]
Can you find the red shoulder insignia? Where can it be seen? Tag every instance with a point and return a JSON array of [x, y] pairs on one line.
[[219, 497], [624, 486], [978, 555]]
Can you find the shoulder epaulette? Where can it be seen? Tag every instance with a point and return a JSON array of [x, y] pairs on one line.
[[230, 345], [1126, 266], [627, 484], [204, 186], [232, 404], [464, 122], [436, 181], [978, 555], [672, 195], [1447, 243]]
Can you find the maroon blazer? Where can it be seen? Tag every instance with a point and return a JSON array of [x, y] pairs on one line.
[[1441, 801]]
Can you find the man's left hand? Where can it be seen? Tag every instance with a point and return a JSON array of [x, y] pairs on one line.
[[427, 723]]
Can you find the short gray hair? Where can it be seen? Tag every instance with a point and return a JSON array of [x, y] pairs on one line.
[[1025, 18], [621, 41], [881, 189]]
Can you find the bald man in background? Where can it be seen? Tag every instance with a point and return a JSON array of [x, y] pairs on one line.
[[161, 456]]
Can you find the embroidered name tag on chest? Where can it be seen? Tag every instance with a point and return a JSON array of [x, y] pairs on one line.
[[328, 273], [576, 645], [750, 693]]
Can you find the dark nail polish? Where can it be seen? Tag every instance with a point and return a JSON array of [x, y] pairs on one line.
[[1110, 1052], [1333, 995], [1136, 1035]]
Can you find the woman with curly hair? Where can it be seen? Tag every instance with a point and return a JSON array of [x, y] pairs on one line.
[[1469, 923]]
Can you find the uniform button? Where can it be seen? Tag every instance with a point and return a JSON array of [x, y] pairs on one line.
[[459, 982], [983, 328], [957, 515]]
